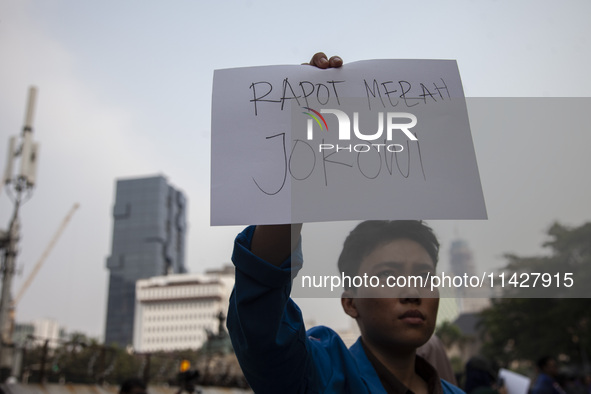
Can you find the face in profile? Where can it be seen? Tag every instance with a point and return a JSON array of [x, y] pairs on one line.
[[551, 368], [392, 317]]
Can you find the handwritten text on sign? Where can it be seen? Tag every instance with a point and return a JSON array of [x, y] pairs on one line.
[[371, 140]]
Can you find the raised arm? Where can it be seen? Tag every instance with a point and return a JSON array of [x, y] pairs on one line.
[[265, 325]]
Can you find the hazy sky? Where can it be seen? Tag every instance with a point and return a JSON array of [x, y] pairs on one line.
[[125, 91]]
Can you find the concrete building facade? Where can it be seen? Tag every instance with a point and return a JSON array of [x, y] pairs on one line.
[[38, 331], [177, 312]]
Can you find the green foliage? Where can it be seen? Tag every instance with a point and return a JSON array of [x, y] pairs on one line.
[[527, 328], [450, 334], [83, 360]]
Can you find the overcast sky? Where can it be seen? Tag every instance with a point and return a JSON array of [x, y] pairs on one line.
[[125, 91]]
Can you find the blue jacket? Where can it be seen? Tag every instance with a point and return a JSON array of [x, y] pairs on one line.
[[545, 384], [275, 352]]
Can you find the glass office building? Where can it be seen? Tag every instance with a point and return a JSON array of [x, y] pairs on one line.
[[149, 229]]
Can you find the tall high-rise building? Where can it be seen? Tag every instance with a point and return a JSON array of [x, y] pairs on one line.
[[149, 229], [469, 299], [461, 258]]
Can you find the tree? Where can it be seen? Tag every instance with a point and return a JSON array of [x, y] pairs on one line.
[[450, 334], [554, 323]]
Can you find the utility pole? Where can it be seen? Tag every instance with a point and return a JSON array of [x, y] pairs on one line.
[[43, 362], [19, 186]]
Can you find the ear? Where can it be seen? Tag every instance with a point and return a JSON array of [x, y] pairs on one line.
[[348, 304]]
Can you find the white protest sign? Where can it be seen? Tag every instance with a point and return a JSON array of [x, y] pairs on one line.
[[514, 382], [376, 139]]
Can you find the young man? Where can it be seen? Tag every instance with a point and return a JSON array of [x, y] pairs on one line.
[[276, 353], [267, 330]]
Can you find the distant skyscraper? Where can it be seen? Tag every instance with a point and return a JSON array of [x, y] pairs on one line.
[[461, 259], [149, 229], [469, 299]]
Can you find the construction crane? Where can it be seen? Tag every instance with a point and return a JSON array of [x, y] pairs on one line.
[[43, 257]]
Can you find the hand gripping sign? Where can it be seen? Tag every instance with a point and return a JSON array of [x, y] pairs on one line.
[[378, 139]]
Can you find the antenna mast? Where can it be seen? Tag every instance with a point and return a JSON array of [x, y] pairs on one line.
[[19, 178]]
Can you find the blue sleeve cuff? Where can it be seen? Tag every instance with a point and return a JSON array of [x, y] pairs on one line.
[[258, 269]]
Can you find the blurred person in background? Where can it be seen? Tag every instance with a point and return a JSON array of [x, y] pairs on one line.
[[482, 377], [546, 381]]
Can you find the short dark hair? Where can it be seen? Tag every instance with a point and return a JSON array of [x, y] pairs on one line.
[[543, 361], [371, 234], [129, 384]]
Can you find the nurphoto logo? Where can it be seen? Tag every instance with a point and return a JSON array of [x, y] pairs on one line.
[[392, 120]]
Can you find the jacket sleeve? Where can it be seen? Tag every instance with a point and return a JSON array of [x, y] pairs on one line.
[[265, 325]]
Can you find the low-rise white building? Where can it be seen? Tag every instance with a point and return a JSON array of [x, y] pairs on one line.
[[177, 312], [50, 330], [39, 331]]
